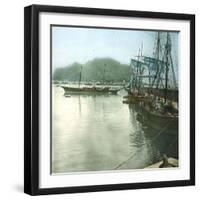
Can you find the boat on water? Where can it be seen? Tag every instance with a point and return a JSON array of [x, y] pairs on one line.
[[93, 89], [88, 89], [160, 116], [150, 84], [154, 119]]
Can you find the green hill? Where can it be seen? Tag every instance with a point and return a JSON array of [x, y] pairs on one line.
[[99, 69]]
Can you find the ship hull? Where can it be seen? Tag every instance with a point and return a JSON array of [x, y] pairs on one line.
[[88, 90], [158, 121]]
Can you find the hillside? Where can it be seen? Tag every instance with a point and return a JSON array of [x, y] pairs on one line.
[[99, 69]]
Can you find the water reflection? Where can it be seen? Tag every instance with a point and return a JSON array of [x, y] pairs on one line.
[[98, 132]]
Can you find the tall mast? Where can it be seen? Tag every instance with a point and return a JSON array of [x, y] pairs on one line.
[[169, 64], [141, 70], [157, 63], [158, 46], [104, 73], [168, 49], [80, 77], [170, 59]]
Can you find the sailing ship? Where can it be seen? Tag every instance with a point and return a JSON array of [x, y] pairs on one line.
[[88, 89], [149, 82], [135, 88]]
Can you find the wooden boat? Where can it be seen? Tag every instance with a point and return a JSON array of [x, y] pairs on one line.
[[150, 86], [94, 89], [163, 116], [89, 89]]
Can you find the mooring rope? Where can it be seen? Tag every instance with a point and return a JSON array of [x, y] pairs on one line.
[[172, 143], [131, 156], [162, 130]]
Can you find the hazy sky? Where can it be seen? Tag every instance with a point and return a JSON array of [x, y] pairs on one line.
[[71, 44]]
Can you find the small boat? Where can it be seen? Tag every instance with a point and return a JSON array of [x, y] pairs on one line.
[[66, 95]]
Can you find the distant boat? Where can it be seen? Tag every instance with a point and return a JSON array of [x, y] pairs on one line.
[[94, 89], [90, 89], [66, 95]]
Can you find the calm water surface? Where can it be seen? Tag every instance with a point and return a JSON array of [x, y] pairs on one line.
[[99, 132]]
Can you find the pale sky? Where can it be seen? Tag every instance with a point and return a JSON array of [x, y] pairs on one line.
[[72, 44]]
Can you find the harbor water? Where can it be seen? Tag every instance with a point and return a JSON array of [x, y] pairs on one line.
[[100, 133]]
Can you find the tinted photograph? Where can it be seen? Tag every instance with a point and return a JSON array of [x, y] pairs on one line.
[[114, 99]]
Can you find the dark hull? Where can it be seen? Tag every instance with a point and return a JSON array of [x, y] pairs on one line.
[[88, 90], [162, 131], [160, 121], [166, 129]]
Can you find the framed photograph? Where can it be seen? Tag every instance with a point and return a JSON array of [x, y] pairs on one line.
[[109, 99]]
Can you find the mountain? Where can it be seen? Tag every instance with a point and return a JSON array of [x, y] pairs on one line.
[[98, 69]]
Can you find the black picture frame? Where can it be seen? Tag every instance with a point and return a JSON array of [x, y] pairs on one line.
[[31, 99]]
